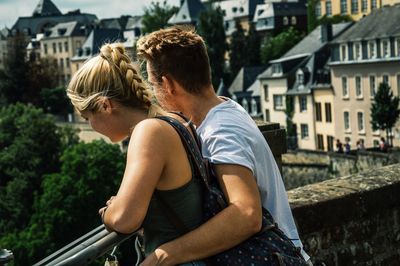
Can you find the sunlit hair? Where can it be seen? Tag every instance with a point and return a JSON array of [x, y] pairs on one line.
[[112, 75], [180, 52]]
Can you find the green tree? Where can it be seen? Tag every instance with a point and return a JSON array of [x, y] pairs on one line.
[[334, 19], [29, 148], [55, 101], [253, 41], [157, 15], [211, 28], [279, 45], [312, 20], [384, 110], [68, 206], [237, 49]]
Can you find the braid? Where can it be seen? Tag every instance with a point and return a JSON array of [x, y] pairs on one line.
[[116, 56]]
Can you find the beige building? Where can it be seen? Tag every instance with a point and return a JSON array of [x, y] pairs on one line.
[[354, 8], [362, 59], [302, 78], [60, 43]]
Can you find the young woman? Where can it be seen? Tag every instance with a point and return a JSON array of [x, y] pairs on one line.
[[110, 94]]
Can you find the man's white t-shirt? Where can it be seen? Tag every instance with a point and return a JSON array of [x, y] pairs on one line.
[[230, 136]]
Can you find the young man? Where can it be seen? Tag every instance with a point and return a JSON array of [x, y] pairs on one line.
[[179, 71]]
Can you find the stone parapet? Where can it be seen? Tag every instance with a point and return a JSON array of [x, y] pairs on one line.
[[351, 220]]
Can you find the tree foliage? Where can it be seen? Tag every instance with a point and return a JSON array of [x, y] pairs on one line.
[[334, 19], [279, 45], [55, 101], [29, 148], [68, 205], [156, 16], [237, 49], [385, 109], [312, 20], [253, 42], [211, 28]]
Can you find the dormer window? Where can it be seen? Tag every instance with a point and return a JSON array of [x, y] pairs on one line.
[[184, 16], [294, 20], [385, 48], [371, 49], [241, 9], [234, 9], [285, 21], [276, 69], [318, 10], [357, 51], [300, 77], [245, 104], [343, 52]]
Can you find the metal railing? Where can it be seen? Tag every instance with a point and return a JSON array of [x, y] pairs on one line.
[[85, 249]]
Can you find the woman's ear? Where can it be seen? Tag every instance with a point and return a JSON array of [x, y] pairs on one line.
[[106, 105]]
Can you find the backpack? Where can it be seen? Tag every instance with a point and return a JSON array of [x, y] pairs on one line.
[[270, 246]]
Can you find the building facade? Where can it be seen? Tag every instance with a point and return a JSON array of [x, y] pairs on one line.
[[361, 60]]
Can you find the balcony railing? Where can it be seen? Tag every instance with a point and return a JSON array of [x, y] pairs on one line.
[[85, 249]]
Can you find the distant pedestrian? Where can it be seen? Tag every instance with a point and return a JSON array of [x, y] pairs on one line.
[[383, 146], [339, 146], [360, 145]]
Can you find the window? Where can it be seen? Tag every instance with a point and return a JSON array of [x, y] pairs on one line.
[[328, 8], [266, 92], [300, 77], [357, 51], [318, 9], [398, 85], [45, 48], [385, 48], [276, 69], [278, 101], [318, 115], [78, 44], [320, 142], [360, 121], [68, 77], [54, 48], [364, 5], [343, 52], [285, 21], [61, 62], [60, 47], [398, 47], [354, 6], [371, 49], [66, 48], [293, 20], [245, 104], [303, 103], [345, 89], [376, 143], [346, 118], [330, 141], [328, 112], [373, 4], [304, 131], [267, 118], [343, 6], [385, 79], [254, 107], [372, 86], [67, 62], [359, 93]]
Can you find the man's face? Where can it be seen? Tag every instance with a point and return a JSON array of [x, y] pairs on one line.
[[163, 95]]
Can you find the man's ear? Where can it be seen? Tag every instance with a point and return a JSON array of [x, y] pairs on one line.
[[169, 84]]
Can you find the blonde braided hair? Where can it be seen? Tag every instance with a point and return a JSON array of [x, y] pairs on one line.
[[111, 74]]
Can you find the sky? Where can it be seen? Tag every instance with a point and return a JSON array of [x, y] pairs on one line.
[[10, 10]]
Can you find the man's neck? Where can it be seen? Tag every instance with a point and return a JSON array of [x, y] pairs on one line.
[[197, 106]]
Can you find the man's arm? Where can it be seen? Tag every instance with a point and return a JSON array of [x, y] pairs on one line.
[[234, 224]]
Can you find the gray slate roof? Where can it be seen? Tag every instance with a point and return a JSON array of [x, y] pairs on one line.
[[134, 22], [380, 23], [4, 33], [46, 8], [222, 89], [64, 29], [245, 78], [289, 8], [95, 40], [313, 41], [188, 12]]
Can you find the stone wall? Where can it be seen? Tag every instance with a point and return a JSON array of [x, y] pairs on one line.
[[351, 220], [305, 167]]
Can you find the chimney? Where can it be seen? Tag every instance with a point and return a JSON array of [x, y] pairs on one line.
[[326, 32]]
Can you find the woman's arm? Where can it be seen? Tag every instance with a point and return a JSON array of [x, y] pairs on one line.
[[240, 220], [146, 159]]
